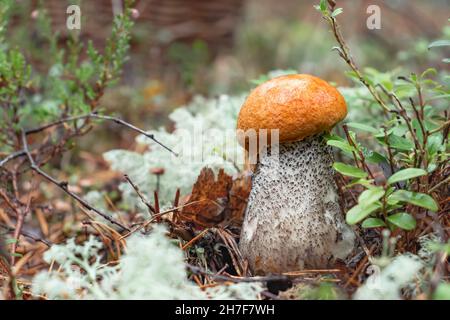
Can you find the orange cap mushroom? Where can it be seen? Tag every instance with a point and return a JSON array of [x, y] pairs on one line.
[[298, 105]]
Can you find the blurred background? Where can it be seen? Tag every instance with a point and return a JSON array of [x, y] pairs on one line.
[[209, 47]]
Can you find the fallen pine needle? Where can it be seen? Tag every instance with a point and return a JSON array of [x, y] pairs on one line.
[[193, 240]]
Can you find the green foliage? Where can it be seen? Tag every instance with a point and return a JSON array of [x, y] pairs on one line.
[[69, 87], [406, 174], [415, 198], [440, 43], [323, 8], [401, 134], [402, 220], [324, 291], [348, 170], [373, 223], [361, 211], [442, 291], [4, 18]]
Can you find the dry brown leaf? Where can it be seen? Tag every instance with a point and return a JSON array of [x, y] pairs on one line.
[[216, 201]]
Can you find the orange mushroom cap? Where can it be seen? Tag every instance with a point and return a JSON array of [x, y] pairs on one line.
[[298, 105]]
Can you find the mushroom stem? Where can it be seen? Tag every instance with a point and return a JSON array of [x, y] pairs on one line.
[[293, 219]]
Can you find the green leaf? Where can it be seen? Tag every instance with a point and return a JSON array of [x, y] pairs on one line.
[[429, 71], [343, 145], [406, 174], [437, 246], [373, 223], [323, 5], [337, 12], [329, 136], [363, 182], [442, 291], [372, 156], [363, 127], [418, 199], [10, 241], [359, 212], [371, 195], [403, 220], [440, 96], [348, 170], [380, 135], [439, 43], [400, 143]]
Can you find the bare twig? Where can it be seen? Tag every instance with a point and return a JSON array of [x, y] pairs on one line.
[[388, 147], [193, 240], [446, 124], [437, 185], [360, 267], [63, 186], [11, 157], [141, 196], [157, 215], [219, 277], [420, 121], [27, 234], [102, 117], [21, 214], [361, 155], [345, 54]]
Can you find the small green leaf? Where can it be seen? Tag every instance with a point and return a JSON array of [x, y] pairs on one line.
[[373, 223], [343, 145], [359, 212], [442, 291], [371, 195], [363, 182], [418, 199], [348, 170], [437, 246], [429, 71], [381, 135], [403, 220], [400, 143], [323, 5], [363, 127], [406, 174], [439, 43], [440, 96], [373, 156], [10, 241], [337, 12]]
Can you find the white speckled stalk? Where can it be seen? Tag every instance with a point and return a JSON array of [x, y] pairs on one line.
[[293, 219]]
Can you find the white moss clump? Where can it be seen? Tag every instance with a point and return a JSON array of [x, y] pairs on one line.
[[215, 146], [152, 268], [386, 284]]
